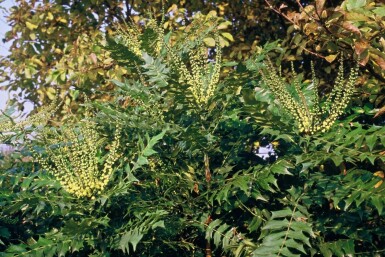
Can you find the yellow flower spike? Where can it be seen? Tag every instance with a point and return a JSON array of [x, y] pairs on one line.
[[85, 176], [202, 76], [310, 118]]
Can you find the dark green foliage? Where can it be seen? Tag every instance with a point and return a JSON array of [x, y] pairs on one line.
[[189, 178]]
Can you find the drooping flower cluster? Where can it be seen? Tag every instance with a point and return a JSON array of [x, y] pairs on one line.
[[73, 156], [137, 39], [203, 76], [199, 72], [129, 36], [312, 118]]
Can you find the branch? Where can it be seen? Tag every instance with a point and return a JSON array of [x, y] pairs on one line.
[[279, 12]]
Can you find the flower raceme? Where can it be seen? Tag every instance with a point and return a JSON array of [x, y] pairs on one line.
[[203, 76], [198, 72], [73, 156], [312, 118]]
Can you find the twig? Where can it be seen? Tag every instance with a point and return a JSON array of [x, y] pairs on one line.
[[279, 12]]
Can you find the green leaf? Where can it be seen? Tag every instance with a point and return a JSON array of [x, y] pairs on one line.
[[287, 212], [354, 4], [281, 167], [378, 202], [371, 141], [16, 249], [340, 248], [276, 224], [337, 159], [229, 64], [132, 237], [379, 11], [4, 232]]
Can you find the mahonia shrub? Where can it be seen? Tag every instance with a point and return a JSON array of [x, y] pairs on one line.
[[184, 171]]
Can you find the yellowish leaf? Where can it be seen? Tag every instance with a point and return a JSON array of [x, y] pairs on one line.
[[209, 41], [353, 16], [319, 5], [311, 28], [94, 59], [61, 20], [380, 174], [379, 61], [172, 8], [37, 61], [50, 16], [228, 36], [223, 42], [331, 58], [32, 36], [382, 42], [211, 14], [51, 93], [30, 26], [224, 25], [27, 73], [360, 46]]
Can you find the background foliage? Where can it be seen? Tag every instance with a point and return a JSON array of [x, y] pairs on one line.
[[189, 180]]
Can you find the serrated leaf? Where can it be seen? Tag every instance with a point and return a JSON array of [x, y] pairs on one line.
[[15, 249], [132, 237], [142, 160], [378, 203], [219, 234], [281, 214], [294, 244], [371, 141], [299, 226], [281, 167], [276, 224]]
